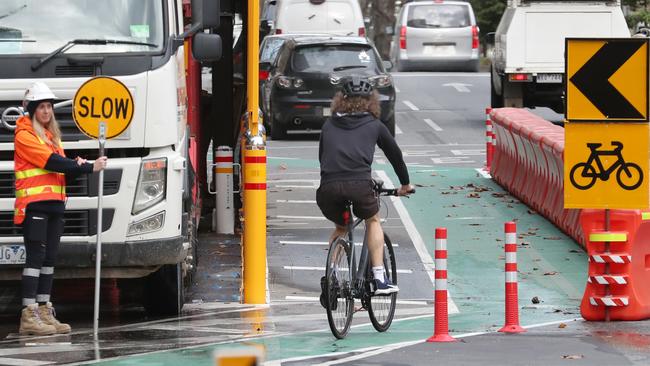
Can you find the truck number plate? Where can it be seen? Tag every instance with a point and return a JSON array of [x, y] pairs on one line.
[[549, 78], [12, 254]]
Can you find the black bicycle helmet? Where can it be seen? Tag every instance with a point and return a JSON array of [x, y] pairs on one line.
[[356, 86]]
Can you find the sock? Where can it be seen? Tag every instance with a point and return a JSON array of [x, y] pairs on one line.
[[378, 273]]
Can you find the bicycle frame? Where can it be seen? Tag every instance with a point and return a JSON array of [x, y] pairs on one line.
[[602, 172], [357, 271]]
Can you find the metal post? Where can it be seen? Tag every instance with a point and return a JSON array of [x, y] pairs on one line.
[[98, 256], [253, 71]]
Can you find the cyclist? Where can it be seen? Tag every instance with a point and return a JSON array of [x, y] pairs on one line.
[[346, 150]]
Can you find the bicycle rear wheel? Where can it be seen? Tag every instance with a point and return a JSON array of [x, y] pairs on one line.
[[381, 309], [340, 300]]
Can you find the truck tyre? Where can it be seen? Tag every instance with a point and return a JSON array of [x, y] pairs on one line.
[[164, 292], [495, 99]]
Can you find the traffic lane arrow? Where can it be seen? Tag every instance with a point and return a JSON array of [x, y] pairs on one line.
[[593, 80], [460, 87]]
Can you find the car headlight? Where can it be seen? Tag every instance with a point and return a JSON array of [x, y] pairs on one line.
[[152, 184], [297, 83], [148, 225], [381, 81]]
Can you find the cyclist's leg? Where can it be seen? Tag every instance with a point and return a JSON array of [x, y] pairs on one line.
[[339, 230], [375, 238]]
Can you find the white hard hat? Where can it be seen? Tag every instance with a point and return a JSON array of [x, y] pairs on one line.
[[38, 91]]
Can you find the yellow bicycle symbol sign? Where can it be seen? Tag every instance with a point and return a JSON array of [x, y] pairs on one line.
[[584, 175]]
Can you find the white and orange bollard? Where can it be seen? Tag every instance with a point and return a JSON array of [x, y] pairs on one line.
[[441, 316], [512, 292], [489, 139]]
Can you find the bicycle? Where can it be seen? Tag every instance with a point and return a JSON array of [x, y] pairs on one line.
[[633, 173], [346, 280]]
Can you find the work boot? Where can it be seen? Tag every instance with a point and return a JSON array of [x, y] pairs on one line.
[[48, 317], [32, 324]]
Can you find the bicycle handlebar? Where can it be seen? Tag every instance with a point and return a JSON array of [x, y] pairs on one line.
[[392, 192]]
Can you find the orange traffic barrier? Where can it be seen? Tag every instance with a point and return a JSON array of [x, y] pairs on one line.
[[617, 285], [441, 315], [512, 292]]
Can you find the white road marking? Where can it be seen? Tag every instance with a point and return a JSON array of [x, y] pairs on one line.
[[432, 124], [418, 243], [307, 268], [295, 242], [281, 158], [295, 201], [476, 152], [318, 218], [452, 160], [397, 90], [484, 173], [410, 105], [292, 186], [381, 161], [398, 131], [460, 87], [312, 181], [22, 362], [315, 299]]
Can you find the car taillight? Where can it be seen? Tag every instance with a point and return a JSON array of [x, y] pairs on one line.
[[362, 32], [264, 74], [402, 38], [474, 36]]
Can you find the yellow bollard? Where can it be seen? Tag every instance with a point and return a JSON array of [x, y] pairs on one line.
[[254, 224]]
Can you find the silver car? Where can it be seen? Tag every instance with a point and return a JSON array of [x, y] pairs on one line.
[[436, 35]]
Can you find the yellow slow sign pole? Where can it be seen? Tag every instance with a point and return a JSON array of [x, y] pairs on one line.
[[254, 241]]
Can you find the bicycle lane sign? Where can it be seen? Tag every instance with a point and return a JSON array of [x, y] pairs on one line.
[[606, 165]]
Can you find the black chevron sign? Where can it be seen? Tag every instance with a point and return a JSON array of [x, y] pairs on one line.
[[593, 80]]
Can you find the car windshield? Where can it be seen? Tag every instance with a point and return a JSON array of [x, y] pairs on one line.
[[39, 27], [438, 16], [270, 49], [328, 58]]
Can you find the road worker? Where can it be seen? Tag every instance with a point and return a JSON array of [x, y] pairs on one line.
[[40, 167]]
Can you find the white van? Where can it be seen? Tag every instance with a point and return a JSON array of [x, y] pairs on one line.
[[339, 17]]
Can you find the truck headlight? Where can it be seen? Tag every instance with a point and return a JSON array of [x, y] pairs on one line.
[[148, 225], [152, 184]]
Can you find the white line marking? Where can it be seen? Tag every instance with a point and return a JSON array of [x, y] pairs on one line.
[[398, 131], [318, 218], [22, 362], [315, 298], [410, 105], [418, 243], [306, 268], [397, 90], [452, 160], [460, 87], [295, 201], [484, 173], [312, 181], [292, 242], [432, 124], [291, 186], [381, 161], [281, 158], [476, 152]]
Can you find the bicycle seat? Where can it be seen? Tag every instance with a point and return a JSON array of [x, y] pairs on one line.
[[594, 145]]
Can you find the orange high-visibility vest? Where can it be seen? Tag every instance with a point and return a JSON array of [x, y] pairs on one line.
[[33, 182]]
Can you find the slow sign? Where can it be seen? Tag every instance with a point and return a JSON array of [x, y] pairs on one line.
[[103, 99]]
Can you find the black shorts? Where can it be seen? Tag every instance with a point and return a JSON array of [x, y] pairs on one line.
[[331, 198]]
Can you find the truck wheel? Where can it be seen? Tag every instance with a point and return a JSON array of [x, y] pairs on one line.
[[164, 293], [495, 99]]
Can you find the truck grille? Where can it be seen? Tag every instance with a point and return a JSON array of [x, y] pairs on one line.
[[69, 130], [84, 185], [77, 222]]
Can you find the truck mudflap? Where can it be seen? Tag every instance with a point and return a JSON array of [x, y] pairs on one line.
[[139, 253]]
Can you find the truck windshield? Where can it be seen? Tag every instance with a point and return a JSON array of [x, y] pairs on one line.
[[40, 27]]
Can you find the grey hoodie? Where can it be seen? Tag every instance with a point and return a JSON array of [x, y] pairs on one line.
[[347, 147]]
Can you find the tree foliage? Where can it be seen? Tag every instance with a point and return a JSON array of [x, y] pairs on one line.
[[488, 14]]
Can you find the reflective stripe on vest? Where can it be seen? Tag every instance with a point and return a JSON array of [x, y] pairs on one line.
[[29, 173], [33, 191]]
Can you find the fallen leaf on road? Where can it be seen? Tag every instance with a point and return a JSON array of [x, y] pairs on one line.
[[498, 195], [574, 251], [283, 166], [562, 326], [535, 300], [552, 273], [418, 185], [572, 357], [531, 212], [474, 195]]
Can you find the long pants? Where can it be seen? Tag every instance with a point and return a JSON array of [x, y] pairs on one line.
[[42, 234]]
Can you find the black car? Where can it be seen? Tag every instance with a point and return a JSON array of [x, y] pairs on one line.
[[305, 75]]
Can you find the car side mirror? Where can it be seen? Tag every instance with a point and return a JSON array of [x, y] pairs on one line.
[[206, 47], [388, 65], [490, 37]]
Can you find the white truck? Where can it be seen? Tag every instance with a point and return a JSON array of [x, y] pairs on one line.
[[149, 209], [528, 57]]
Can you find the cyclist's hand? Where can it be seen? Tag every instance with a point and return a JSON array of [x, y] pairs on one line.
[[405, 190]]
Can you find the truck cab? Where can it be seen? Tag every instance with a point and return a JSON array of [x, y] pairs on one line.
[[528, 59]]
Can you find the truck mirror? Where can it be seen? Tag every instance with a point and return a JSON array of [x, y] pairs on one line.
[[489, 38], [206, 47], [206, 13]]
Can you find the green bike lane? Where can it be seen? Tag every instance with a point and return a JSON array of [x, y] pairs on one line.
[[552, 269]]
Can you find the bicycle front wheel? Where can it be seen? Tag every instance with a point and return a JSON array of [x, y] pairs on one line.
[[381, 309], [629, 176], [340, 300]]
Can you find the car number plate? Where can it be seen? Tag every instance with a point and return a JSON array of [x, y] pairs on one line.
[[444, 50], [12, 254], [327, 112], [549, 78]]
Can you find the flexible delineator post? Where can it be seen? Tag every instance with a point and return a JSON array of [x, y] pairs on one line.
[[489, 137], [441, 317], [512, 295]]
